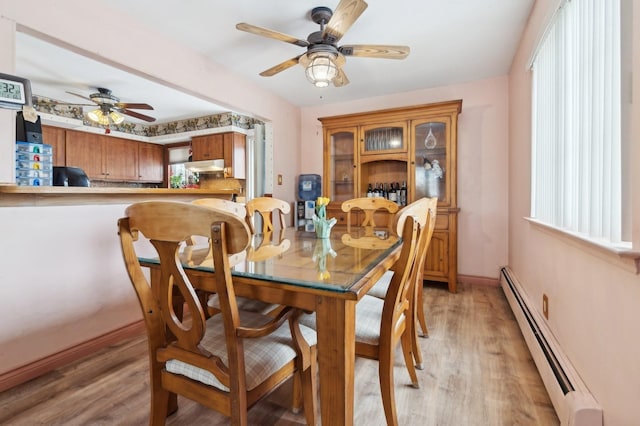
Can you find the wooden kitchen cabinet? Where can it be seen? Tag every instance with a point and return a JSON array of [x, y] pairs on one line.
[[120, 159], [416, 145], [235, 155], [84, 150], [102, 158], [207, 147], [109, 158], [150, 162], [230, 146], [55, 136]]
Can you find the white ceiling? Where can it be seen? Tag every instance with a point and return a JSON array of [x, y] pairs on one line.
[[451, 41]]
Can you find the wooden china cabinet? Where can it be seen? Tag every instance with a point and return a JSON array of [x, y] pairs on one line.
[[413, 147]]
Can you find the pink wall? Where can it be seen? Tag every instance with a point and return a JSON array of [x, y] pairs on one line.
[[593, 298], [7, 117], [482, 163], [66, 284], [54, 295]]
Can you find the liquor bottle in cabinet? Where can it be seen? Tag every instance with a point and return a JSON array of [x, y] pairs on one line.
[[414, 145]]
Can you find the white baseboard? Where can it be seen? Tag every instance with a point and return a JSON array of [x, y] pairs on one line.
[[574, 404]]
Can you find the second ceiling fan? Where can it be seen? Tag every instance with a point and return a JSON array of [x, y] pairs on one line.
[[324, 59], [107, 103]]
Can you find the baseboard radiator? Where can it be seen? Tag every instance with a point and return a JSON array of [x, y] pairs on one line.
[[574, 404]]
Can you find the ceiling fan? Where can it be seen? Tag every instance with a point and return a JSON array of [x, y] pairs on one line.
[[324, 59], [110, 108]]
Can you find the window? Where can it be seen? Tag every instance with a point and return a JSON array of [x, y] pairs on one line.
[[179, 175], [577, 142]]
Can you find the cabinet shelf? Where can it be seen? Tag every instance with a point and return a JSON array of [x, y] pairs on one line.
[[343, 157], [432, 151]]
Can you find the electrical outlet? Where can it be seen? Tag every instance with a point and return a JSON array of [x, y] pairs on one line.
[[545, 306]]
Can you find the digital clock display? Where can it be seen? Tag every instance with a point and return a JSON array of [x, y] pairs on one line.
[[15, 92], [12, 91]]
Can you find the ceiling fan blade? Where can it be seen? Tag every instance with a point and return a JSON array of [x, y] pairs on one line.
[[340, 79], [280, 67], [133, 106], [271, 34], [83, 97], [343, 17], [375, 51], [136, 115]]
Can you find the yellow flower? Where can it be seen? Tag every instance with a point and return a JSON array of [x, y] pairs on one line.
[[322, 201], [323, 275]]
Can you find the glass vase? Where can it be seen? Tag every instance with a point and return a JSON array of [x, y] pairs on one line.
[[323, 227]]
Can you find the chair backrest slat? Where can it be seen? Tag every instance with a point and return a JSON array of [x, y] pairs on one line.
[[266, 206], [396, 300], [369, 206]]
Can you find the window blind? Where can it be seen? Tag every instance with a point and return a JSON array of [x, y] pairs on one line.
[[576, 134]]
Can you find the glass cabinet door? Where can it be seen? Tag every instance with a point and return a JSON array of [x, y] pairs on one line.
[[342, 179], [431, 157], [383, 138]]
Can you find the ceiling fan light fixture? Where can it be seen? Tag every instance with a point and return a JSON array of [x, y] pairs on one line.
[[98, 116], [321, 70], [115, 117]]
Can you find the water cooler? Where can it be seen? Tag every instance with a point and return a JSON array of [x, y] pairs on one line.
[[309, 189]]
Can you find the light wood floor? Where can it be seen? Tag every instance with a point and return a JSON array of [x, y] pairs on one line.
[[478, 371]]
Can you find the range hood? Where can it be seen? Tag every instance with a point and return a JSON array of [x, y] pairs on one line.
[[206, 166]]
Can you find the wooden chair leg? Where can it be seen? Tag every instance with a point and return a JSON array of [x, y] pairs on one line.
[[160, 405], [407, 341], [416, 351], [296, 404], [385, 371], [420, 309], [310, 389], [163, 402], [173, 403], [416, 308]]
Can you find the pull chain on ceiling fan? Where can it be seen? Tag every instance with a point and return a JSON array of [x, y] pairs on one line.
[[323, 59]]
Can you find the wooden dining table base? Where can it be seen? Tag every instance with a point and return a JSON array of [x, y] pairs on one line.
[[335, 326]]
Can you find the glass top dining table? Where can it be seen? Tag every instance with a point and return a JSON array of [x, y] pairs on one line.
[[326, 276], [298, 258]]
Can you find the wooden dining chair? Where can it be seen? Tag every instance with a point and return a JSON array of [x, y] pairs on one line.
[[369, 206], [266, 207], [383, 324], [244, 304], [425, 210], [226, 362]]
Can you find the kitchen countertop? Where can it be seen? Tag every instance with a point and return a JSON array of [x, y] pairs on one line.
[[13, 195]]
